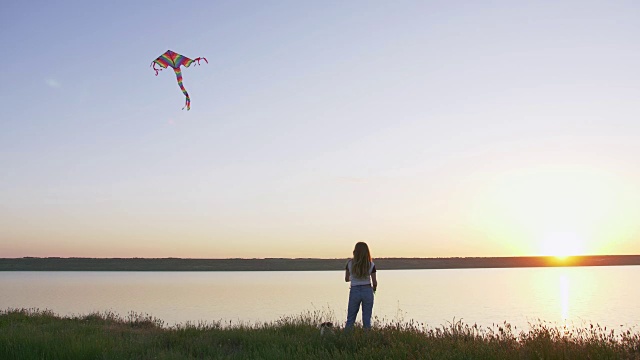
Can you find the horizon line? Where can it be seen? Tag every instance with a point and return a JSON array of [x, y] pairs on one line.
[[314, 258]]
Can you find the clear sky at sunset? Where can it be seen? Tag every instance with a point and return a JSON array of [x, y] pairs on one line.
[[425, 128]]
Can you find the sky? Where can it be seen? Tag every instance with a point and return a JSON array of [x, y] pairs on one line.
[[424, 128]]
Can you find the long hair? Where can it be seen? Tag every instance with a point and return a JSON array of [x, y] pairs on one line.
[[361, 260]]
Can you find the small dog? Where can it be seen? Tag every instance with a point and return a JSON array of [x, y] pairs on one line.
[[326, 327]]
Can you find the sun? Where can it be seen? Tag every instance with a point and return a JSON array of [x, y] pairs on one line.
[[556, 211], [562, 244]]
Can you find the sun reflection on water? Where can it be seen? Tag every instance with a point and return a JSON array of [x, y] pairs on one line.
[[564, 297]]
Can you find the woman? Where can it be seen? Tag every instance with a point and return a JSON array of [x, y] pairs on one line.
[[361, 272]]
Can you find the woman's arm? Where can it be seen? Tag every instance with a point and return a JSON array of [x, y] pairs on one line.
[[374, 281], [347, 276]]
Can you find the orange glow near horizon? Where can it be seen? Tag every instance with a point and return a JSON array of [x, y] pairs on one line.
[[557, 211]]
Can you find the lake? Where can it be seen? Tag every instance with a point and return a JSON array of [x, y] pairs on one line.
[[573, 295]]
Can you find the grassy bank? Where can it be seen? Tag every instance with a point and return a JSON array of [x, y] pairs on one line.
[[32, 334]]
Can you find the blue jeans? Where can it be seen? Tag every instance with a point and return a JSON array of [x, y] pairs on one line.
[[360, 295]]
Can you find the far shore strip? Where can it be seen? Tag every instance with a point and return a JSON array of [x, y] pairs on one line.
[[302, 264]]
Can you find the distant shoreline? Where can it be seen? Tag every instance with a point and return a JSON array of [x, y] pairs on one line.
[[301, 264]]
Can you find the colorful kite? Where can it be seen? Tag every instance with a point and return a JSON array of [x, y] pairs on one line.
[[176, 60]]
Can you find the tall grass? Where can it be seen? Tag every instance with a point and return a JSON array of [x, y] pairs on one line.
[[36, 334]]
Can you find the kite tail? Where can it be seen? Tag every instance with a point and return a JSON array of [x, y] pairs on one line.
[[200, 58], [184, 91], [153, 64]]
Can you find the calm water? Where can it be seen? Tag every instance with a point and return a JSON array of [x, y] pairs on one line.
[[605, 295]]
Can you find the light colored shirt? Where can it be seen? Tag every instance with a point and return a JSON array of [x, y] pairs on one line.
[[360, 281]]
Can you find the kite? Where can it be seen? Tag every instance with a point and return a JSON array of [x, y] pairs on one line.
[[175, 60]]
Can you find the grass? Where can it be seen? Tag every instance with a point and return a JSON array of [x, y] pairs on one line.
[[35, 334]]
